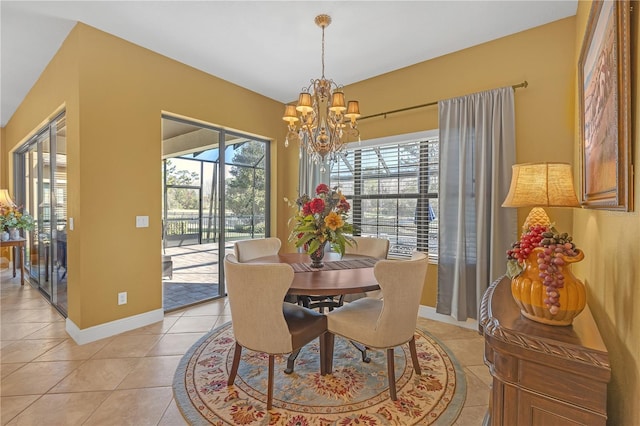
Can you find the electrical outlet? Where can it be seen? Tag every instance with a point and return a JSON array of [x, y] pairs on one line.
[[122, 298]]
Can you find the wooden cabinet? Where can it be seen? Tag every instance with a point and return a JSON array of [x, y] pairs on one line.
[[543, 375]]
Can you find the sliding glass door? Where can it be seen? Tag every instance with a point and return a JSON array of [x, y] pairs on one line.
[[215, 192], [41, 188]]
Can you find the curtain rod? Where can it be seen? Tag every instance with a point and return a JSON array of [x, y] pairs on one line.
[[523, 85]]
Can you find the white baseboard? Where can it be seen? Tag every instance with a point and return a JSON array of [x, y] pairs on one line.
[[91, 334], [429, 312]]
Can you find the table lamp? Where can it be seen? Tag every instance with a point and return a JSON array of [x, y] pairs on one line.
[[543, 286], [5, 199], [540, 185]]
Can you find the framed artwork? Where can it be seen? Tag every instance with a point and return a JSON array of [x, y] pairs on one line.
[[605, 108]]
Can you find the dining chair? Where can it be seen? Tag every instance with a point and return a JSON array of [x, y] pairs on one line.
[[367, 246], [261, 321], [387, 322], [246, 250]]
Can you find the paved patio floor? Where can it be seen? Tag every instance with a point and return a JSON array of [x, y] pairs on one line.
[[195, 275]]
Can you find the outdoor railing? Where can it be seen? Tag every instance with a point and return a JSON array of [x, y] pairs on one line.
[[187, 230]]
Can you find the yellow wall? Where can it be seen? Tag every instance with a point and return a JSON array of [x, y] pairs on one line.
[[114, 94], [611, 270], [56, 87], [3, 164], [4, 251]]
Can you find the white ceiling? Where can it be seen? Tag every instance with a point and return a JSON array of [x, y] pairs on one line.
[[270, 47]]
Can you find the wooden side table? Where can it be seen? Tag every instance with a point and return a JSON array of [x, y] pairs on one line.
[[542, 374], [18, 245]]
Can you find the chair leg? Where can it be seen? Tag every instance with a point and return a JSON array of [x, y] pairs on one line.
[[291, 361], [414, 355], [363, 351], [328, 351], [323, 354], [392, 374], [270, 383], [234, 366]]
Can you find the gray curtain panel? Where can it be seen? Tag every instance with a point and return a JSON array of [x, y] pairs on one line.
[[309, 174], [477, 150]]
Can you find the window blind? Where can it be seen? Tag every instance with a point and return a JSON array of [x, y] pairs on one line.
[[393, 191]]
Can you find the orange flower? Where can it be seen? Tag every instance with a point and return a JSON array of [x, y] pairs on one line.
[[333, 221]]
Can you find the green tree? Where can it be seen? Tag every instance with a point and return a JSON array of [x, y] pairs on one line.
[[245, 193], [181, 198]]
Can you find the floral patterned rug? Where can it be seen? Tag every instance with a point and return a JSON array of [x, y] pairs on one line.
[[355, 394]]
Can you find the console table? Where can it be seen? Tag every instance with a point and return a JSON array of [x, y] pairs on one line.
[[19, 245], [542, 374]]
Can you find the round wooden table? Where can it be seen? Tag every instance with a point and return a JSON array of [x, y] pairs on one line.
[[325, 281]]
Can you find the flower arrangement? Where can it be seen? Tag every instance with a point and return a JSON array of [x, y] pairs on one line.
[[321, 220], [13, 217]]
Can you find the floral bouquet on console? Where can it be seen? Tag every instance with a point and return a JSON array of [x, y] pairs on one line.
[[321, 220], [13, 217]]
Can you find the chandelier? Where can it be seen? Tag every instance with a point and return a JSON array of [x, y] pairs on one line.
[[321, 120]]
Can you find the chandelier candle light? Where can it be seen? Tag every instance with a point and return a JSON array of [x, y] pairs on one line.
[[322, 118], [539, 263]]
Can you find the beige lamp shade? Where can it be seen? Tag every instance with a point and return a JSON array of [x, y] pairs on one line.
[[541, 185], [337, 102], [290, 114], [5, 199], [353, 110], [304, 103]]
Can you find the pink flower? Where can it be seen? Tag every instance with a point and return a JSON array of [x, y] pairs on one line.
[[317, 205], [322, 189]]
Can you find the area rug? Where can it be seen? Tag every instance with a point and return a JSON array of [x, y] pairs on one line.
[[356, 393]]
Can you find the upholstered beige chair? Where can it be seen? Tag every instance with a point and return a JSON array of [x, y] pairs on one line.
[[384, 323], [261, 321], [373, 247], [369, 246], [246, 250]]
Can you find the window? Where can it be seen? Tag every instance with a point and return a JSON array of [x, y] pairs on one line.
[[393, 191]]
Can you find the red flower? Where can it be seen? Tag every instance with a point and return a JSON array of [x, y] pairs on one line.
[[322, 189], [306, 209], [343, 205], [317, 205]]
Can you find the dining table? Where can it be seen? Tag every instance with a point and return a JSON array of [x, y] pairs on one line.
[[347, 274], [340, 275]]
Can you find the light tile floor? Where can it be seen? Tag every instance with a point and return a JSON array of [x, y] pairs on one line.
[[46, 379]]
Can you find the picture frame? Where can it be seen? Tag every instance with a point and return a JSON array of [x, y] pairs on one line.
[[605, 108]]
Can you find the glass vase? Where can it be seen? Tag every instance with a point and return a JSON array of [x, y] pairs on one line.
[[14, 233], [317, 256]]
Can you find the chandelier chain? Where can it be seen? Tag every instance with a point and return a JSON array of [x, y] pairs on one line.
[[323, 52]]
